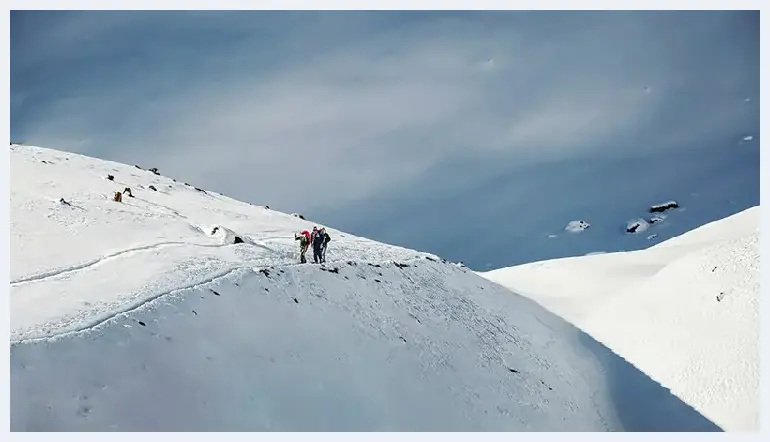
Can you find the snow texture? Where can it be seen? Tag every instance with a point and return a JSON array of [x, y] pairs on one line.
[[577, 226], [685, 311], [140, 315]]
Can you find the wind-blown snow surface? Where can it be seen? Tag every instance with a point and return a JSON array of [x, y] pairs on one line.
[[685, 311], [137, 315]]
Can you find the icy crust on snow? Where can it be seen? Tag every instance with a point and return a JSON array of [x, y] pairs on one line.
[[685, 311], [418, 345], [103, 256]]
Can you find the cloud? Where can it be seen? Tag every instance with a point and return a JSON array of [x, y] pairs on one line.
[[306, 110]]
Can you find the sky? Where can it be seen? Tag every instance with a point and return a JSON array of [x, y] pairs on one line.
[[474, 135]]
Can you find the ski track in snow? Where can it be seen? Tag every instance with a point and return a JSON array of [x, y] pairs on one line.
[[94, 321], [101, 312], [65, 271], [41, 277], [98, 320], [104, 259]]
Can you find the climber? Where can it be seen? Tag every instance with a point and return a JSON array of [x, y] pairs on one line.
[[304, 241], [317, 240], [327, 238]]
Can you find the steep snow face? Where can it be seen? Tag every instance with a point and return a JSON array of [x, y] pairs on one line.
[[685, 311]]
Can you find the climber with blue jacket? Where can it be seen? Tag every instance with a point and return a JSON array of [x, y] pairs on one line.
[[320, 239]]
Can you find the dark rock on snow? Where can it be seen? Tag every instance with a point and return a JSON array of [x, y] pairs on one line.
[[663, 207]]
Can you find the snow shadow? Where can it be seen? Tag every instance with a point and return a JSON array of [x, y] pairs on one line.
[[641, 403]]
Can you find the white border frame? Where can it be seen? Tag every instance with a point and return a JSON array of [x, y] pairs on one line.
[[371, 5]]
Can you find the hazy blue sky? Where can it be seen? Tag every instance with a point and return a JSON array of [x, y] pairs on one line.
[[418, 128]]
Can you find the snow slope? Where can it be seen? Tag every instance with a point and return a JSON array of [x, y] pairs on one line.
[[685, 311], [157, 241], [137, 315]]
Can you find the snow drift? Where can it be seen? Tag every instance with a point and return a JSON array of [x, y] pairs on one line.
[[685, 311], [140, 315]]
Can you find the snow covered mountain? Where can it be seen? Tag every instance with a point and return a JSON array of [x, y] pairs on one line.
[[176, 308], [685, 311]]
